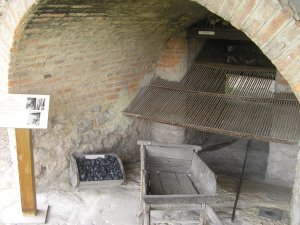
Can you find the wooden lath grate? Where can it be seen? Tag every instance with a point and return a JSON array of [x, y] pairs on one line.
[[250, 110], [229, 80]]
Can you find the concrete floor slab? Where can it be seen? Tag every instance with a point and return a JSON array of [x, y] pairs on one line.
[[14, 215], [119, 205]]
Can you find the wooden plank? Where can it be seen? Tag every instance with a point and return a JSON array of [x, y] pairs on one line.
[[168, 165], [202, 218], [26, 172], [213, 216], [179, 207], [177, 200], [186, 184], [147, 215], [169, 152], [169, 183], [143, 157], [155, 185], [203, 177], [163, 144], [144, 178], [175, 221]]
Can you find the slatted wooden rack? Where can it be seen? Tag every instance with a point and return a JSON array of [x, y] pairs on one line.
[[231, 100]]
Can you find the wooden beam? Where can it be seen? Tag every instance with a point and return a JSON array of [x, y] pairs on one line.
[[26, 172]]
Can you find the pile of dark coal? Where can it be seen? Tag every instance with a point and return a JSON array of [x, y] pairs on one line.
[[99, 169]]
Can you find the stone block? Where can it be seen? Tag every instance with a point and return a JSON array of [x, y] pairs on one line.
[[214, 6], [296, 7], [111, 141], [283, 40], [281, 164], [77, 140], [281, 84], [228, 9], [260, 16], [242, 13], [84, 125], [274, 24], [295, 210], [103, 118], [167, 133]]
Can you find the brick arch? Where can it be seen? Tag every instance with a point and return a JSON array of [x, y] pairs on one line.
[[271, 26], [10, 20], [268, 23]]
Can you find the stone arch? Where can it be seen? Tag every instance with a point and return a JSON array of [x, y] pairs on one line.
[[268, 23]]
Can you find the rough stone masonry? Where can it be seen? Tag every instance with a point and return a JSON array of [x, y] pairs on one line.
[[269, 23], [92, 58]]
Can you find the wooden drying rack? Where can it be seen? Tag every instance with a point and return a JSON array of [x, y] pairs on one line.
[[225, 99]]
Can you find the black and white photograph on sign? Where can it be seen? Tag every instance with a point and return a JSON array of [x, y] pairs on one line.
[[31, 103], [35, 103], [40, 103], [24, 111], [34, 118]]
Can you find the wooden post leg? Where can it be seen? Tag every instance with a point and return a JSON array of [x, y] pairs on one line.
[[147, 215], [26, 172], [201, 217]]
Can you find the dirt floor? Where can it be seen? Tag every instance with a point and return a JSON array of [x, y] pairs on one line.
[[119, 205]]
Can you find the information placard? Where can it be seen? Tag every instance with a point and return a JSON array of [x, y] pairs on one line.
[[24, 111]]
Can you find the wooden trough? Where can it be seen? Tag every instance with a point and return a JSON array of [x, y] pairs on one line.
[[174, 177]]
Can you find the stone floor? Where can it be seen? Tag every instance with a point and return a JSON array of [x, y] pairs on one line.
[[119, 205]]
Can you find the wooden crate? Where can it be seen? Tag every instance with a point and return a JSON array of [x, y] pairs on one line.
[[174, 176], [74, 173]]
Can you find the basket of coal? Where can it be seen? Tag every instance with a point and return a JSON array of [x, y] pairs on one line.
[[90, 171]]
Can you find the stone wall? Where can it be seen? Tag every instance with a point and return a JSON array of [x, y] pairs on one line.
[[6, 168], [282, 162], [2, 6], [296, 7], [91, 60], [282, 158], [270, 23], [296, 195], [174, 62]]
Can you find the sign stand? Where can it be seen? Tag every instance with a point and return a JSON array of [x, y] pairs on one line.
[[30, 212], [26, 172], [24, 112]]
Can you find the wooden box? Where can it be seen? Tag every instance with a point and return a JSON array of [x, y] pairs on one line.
[[174, 176], [78, 182]]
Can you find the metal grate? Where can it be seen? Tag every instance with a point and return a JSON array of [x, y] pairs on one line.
[[229, 111]]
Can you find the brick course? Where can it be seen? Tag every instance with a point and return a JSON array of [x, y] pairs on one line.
[[256, 22], [86, 60], [84, 51]]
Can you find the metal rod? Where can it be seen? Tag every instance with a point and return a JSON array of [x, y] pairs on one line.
[[240, 183]]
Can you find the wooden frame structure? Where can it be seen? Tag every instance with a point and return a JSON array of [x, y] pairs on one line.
[[174, 177]]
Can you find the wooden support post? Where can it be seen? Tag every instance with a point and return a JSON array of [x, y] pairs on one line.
[[26, 172]]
